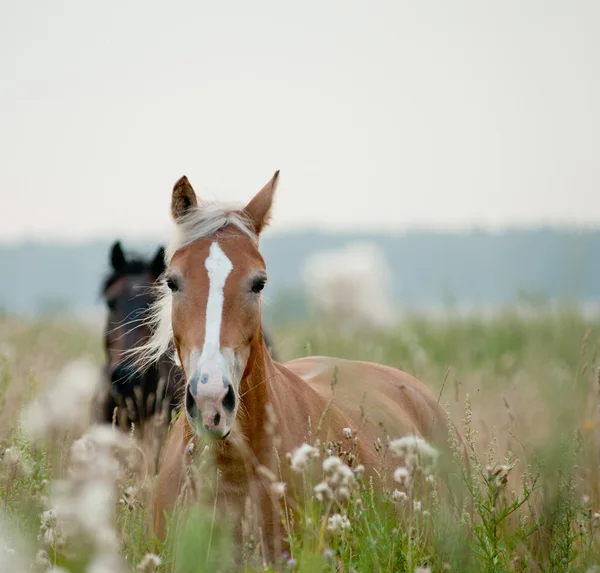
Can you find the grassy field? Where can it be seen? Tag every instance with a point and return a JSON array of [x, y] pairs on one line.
[[524, 391]]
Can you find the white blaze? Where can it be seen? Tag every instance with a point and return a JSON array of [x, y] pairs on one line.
[[211, 366], [218, 266]]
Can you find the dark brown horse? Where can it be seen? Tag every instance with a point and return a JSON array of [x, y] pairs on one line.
[[132, 395]]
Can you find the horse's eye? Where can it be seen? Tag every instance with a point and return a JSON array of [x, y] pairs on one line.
[[172, 284], [258, 284], [111, 303]]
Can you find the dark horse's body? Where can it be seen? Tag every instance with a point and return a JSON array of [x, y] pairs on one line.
[[136, 395]]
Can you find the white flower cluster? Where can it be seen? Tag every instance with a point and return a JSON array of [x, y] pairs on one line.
[[51, 534], [415, 454], [338, 523], [64, 404], [301, 457], [498, 476], [149, 564], [85, 501], [338, 482], [417, 457], [16, 463]]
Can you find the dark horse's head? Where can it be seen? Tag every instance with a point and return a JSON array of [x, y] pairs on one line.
[[128, 292]]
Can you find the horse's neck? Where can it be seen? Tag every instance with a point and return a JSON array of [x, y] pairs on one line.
[[245, 449], [256, 388]]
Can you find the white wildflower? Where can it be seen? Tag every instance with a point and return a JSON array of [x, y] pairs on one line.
[[498, 475], [278, 489], [51, 533], [323, 491], [415, 452], [85, 501], [128, 498], [342, 494], [16, 462], [422, 570], [41, 560], [402, 476], [64, 404], [338, 523], [359, 470], [331, 464], [348, 433], [302, 456], [417, 506], [343, 476], [149, 563], [399, 496]]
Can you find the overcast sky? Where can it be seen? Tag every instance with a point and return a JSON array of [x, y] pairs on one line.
[[380, 114]]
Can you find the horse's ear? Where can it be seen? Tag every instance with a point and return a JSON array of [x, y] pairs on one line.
[[117, 257], [158, 265], [183, 198], [259, 208]]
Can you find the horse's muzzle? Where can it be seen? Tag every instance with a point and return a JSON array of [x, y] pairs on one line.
[[211, 414]]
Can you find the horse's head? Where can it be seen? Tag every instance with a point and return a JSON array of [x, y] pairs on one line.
[[212, 296], [128, 293]]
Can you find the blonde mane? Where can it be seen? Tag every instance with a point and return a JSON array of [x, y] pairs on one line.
[[201, 222]]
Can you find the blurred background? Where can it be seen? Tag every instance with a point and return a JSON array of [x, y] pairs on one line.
[[433, 155], [438, 211]]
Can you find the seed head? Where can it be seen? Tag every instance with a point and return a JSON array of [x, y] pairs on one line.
[[338, 523], [301, 457]]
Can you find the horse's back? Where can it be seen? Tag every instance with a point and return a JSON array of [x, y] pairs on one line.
[[373, 395]]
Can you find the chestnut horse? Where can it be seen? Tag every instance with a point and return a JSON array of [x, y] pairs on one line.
[[211, 309], [129, 290]]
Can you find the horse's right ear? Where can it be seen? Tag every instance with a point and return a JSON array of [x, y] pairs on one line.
[[117, 257], [183, 199]]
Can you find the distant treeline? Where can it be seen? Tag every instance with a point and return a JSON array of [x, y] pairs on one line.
[[429, 269]]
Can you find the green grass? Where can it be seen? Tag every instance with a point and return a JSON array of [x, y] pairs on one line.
[[525, 393]]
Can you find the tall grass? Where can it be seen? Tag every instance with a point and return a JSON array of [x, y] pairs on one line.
[[524, 392]]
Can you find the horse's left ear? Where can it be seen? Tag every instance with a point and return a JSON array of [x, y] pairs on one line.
[[183, 199], [259, 208], [158, 265]]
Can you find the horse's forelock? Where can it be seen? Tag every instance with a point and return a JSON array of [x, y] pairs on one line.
[[202, 222]]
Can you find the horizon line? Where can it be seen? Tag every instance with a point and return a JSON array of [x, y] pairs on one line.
[[321, 230]]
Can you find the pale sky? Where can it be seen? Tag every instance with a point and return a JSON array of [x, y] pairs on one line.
[[380, 114]]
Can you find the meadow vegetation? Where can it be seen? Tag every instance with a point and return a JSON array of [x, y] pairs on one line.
[[524, 391]]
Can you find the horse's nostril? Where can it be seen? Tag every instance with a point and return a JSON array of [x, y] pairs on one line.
[[217, 419], [229, 400], [190, 403]]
